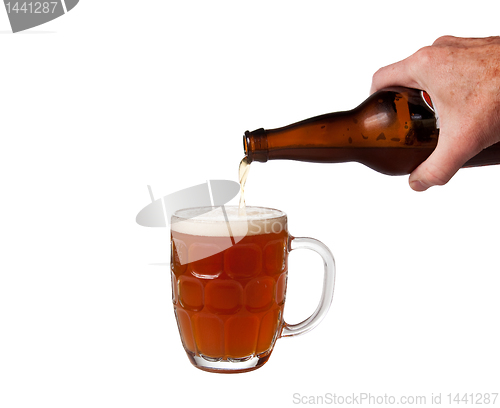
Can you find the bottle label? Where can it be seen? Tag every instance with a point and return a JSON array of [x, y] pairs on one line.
[[427, 99], [428, 102]]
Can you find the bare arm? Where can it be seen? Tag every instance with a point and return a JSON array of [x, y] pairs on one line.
[[462, 77]]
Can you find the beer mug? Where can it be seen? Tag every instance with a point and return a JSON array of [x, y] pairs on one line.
[[229, 279]]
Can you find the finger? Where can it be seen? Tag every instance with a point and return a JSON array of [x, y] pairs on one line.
[[441, 165], [433, 172], [398, 73], [449, 40]]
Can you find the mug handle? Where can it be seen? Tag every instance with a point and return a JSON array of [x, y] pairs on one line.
[[328, 285]]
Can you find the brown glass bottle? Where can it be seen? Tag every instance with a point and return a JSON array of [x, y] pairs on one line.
[[392, 132]]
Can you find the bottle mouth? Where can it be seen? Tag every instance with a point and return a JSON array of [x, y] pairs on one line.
[[245, 144], [255, 145]]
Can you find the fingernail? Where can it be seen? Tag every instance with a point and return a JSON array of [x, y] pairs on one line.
[[417, 185]]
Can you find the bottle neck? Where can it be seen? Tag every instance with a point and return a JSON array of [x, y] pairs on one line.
[[302, 140]]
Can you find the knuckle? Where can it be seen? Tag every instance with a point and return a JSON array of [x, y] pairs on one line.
[[493, 39], [444, 39], [425, 56]]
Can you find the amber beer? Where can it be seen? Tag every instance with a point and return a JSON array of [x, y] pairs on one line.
[[229, 278], [229, 304], [392, 132]]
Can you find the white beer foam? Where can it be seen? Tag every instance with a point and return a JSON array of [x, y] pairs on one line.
[[207, 222]]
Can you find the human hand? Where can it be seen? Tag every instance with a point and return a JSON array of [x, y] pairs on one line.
[[462, 77]]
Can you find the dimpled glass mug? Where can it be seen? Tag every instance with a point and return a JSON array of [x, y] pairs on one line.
[[229, 278]]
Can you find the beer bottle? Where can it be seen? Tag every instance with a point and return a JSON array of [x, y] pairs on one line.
[[392, 132]]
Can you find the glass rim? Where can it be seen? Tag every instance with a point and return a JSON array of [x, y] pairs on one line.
[[199, 211]]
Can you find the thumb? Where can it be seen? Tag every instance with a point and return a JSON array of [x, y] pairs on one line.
[[440, 166]]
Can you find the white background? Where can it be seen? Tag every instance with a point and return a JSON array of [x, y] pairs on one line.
[[116, 95]]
